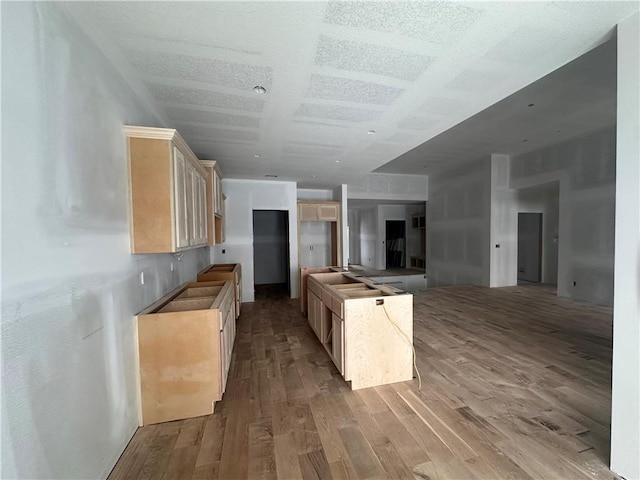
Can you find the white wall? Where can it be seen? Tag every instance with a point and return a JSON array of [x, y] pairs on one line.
[[503, 243], [314, 194], [381, 186], [368, 226], [340, 195], [625, 411], [584, 168], [458, 225], [70, 286], [243, 197], [354, 236]]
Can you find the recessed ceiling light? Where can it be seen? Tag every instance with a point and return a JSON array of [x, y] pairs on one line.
[[271, 176], [257, 155], [531, 104], [338, 161], [259, 89], [371, 132], [314, 176]]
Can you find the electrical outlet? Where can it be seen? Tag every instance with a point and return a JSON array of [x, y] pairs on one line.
[[141, 278], [574, 284], [224, 251]]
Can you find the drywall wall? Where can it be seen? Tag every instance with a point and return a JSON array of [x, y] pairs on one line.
[[503, 243], [584, 168], [381, 186], [368, 226], [70, 287], [314, 194], [458, 225], [354, 236], [625, 409], [544, 199], [315, 244], [340, 195], [270, 247], [243, 197]]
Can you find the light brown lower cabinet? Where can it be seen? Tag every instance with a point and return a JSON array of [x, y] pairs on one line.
[[225, 271], [366, 328], [185, 341]]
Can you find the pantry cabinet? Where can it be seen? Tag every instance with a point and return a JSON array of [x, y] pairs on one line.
[[167, 192]]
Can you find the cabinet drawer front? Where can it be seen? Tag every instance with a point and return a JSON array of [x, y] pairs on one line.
[[328, 213], [308, 213]]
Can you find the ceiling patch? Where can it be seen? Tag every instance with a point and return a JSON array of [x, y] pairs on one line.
[[218, 133], [400, 137], [418, 123], [369, 58], [442, 106], [437, 21], [347, 114], [196, 96], [524, 44], [346, 90], [206, 116], [201, 69], [475, 81]]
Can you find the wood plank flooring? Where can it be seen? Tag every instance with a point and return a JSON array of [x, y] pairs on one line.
[[515, 384]]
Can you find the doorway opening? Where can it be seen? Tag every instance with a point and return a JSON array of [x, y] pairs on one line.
[[530, 247], [271, 253], [395, 241]]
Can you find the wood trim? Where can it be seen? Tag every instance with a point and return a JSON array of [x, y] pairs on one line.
[[165, 134]]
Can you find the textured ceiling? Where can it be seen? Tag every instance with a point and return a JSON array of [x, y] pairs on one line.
[[334, 70]]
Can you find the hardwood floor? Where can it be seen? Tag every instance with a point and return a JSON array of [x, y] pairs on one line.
[[516, 384]]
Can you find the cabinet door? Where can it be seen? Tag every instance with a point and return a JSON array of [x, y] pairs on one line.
[[201, 201], [328, 213], [192, 214], [181, 216], [307, 213]]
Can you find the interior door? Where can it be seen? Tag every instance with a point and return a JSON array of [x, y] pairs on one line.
[[530, 247]]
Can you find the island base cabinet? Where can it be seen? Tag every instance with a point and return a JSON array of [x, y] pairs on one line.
[[378, 336]]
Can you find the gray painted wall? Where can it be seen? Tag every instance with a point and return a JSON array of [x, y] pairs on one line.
[[458, 225], [70, 287], [584, 167]]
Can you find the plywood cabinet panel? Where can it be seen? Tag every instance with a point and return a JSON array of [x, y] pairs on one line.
[[184, 351], [164, 183], [366, 328], [225, 271], [214, 203]]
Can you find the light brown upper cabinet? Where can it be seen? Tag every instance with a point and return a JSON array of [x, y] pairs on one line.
[[318, 212], [215, 202], [167, 192]]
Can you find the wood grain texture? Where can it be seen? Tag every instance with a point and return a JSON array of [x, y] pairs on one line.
[[151, 185], [516, 384], [225, 271]]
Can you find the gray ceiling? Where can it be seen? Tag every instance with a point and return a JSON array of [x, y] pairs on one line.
[[334, 70]]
